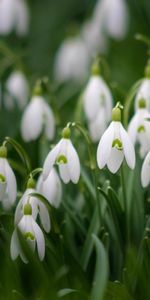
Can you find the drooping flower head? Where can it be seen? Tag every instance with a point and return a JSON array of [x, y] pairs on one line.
[[139, 127], [17, 90], [14, 16], [38, 116], [144, 89], [51, 188], [115, 145], [72, 60], [38, 207], [66, 157], [97, 103], [32, 234], [8, 185]]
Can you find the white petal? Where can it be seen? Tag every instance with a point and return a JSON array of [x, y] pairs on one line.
[[49, 121], [115, 160], [128, 148], [105, 146], [64, 173], [11, 183], [3, 187], [44, 217], [50, 160], [92, 97], [53, 194], [98, 125], [73, 162], [40, 240], [145, 172], [132, 129], [18, 90], [32, 120], [14, 246]]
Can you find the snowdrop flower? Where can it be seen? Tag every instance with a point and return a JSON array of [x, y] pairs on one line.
[[115, 144], [97, 104], [17, 90], [139, 128], [14, 15], [97, 96], [108, 14], [32, 234], [145, 173], [65, 155], [144, 89], [51, 188], [37, 116], [38, 208], [8, 185], [72, 60]]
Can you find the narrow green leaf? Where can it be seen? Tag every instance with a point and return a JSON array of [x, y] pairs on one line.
[[22, 153], [101, 271]]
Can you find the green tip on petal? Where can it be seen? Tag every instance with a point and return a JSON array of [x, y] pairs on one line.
[[141, 128], [3, 151], [2, 178], [61, 159], [29, 235], [31, 183], [27, 209], [118, 144], [142, 103], [66, 133]]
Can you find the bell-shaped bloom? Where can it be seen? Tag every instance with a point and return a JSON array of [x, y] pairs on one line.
[[108, 14], [38, 208], [8, 185], [72, 60], [51, 188], [139, 130], [65, 155], [38, 116], [17, 90], [145, 172], [116, 13], [14, 16], [33, 236], [143, 93], [114, 145], [97, 96]]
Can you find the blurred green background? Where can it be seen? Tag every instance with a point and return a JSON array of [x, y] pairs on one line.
[[50, 23]]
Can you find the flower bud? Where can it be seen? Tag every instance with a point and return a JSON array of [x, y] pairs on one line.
[[142, 103]]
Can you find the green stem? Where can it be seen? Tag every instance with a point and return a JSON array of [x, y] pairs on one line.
[[92, 161], [125, 201]]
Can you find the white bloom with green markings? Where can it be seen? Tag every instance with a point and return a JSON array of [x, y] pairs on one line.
[[115, 145], [32, 234], [65, 155]]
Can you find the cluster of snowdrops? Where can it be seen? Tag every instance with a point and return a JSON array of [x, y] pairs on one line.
[[105, 126]]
